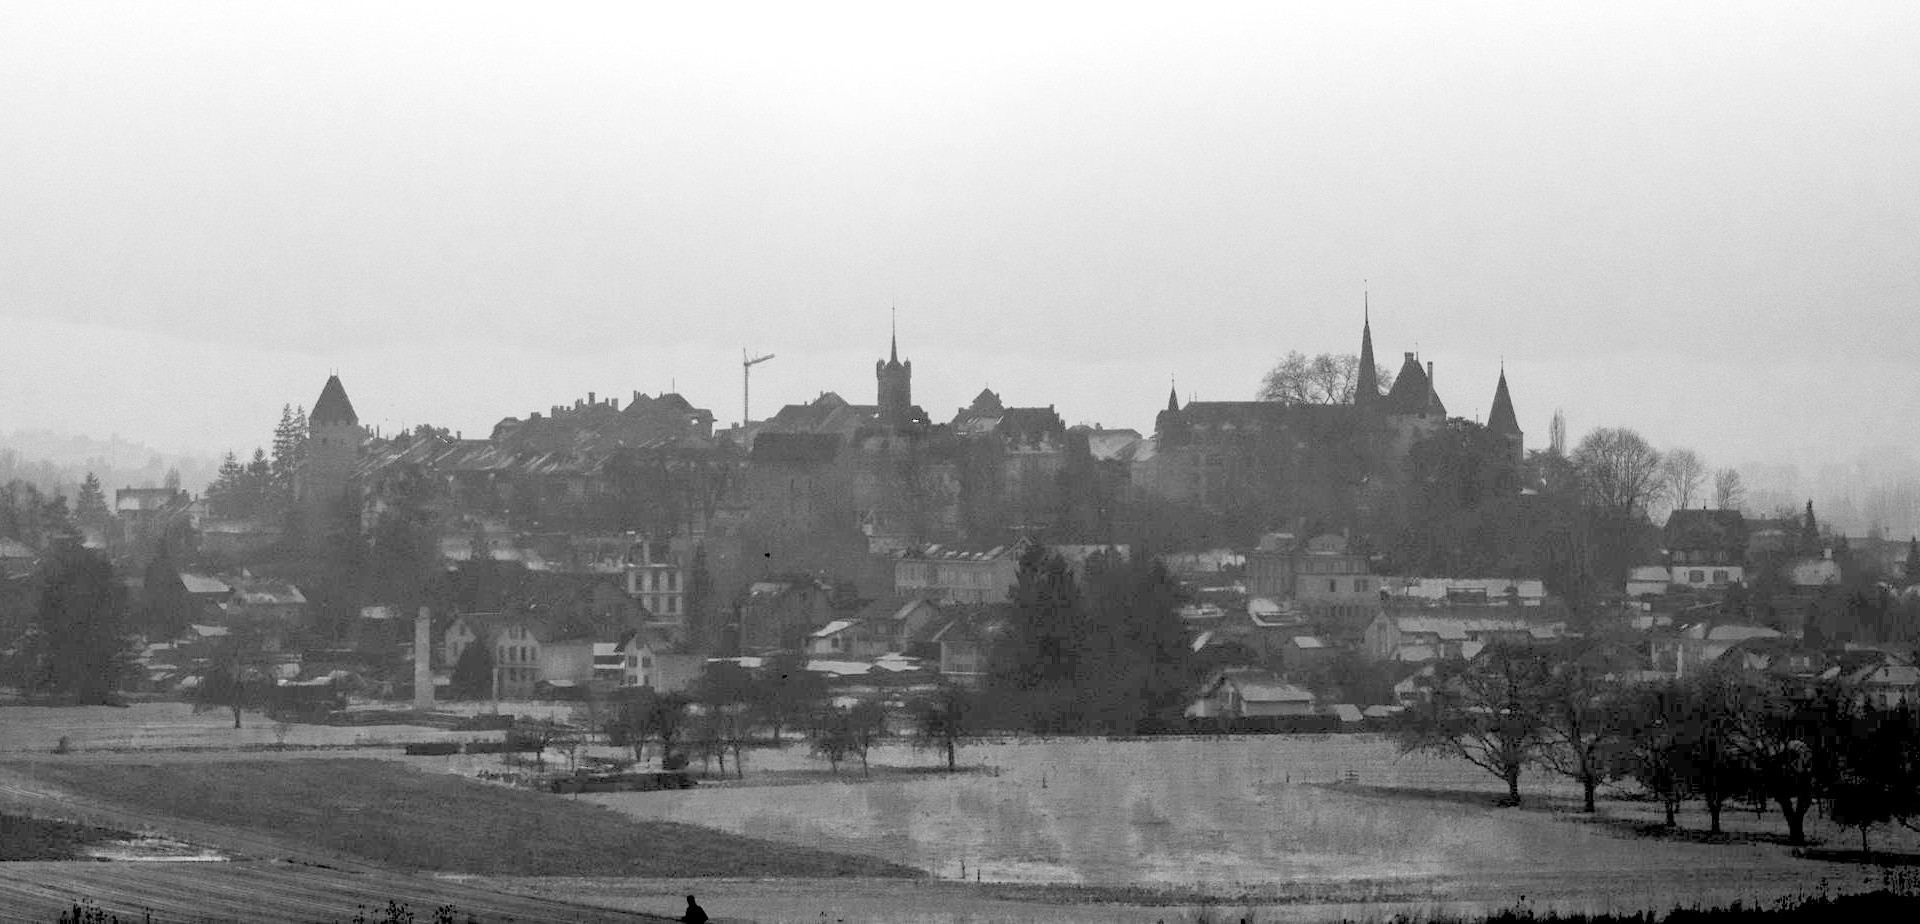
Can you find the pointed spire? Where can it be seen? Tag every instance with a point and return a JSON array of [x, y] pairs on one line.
[[1173, 395], [1501, 420], [893, 345], [1366, 387]]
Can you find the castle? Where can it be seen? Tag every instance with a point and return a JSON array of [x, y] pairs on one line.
[[1273, 462]]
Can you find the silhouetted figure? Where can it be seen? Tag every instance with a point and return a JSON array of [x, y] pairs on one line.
[[695, 914]]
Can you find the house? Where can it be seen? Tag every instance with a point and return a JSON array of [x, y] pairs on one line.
[[779, 615], [1815, 572], [527, 650], [1648, 580], [1334, 586], [1684, 652], [957, 575], [1301, 654], [1244, 692], [16, 558], [1706, 548], [965, 640], [625, 663], [654, 577], [1887, 686], [1391, 634]]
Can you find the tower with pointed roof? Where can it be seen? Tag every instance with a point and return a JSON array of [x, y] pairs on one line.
[[1501, 421], [1366, 387], [334, 438], [895, 379]]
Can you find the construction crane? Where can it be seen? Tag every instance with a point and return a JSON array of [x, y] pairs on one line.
[[746, 379]]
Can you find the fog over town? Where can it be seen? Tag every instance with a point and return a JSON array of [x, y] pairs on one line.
[[992, 463]]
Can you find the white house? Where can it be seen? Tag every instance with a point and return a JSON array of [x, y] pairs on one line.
[[1248, 692]]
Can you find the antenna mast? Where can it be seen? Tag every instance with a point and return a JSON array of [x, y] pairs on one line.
[[746, 379]]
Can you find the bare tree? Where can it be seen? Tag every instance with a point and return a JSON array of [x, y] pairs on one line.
[[1619, 471], [1323, 379], [1728, 492], [1489, 713], [1682, 476]]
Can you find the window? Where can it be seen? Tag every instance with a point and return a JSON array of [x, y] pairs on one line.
[[673, 605], [633, 660], [1720, 576], [1333, 586], [1696, 576], [1359, 585]]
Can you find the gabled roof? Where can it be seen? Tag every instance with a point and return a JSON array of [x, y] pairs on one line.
[[834, 628], [332, 407], [14, 548]]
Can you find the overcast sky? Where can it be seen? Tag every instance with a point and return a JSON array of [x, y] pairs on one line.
[[1699, 220]]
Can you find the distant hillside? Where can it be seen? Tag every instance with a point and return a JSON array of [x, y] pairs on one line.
[[57, 463]]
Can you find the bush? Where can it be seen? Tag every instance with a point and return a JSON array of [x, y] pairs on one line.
[[432, 748]]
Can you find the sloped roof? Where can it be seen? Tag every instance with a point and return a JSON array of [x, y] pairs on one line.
[[1697, 529], [834, 628], [332, 407], [203, 584], [802, 448], [1501, 420], [1347, 712], [1412, 391], [14, 548], [1257, 685]]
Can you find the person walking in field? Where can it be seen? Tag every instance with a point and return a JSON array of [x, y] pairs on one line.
[[695, 914]]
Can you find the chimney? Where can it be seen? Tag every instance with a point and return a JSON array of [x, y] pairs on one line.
[[1409, 357], [590, 397], [615, 402], [636, 396]]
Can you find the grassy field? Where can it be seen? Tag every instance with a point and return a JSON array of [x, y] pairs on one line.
[[1242, 817], [396, 816]]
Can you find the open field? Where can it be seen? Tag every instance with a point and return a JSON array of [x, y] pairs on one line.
[[153, 726], [394, 816], [1246, 818], [1290, 828]]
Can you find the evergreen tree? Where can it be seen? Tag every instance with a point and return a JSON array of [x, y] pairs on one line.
[[166, 608], [79, 647], [1034, 665], [699, 602], [1135, 666], [1809, 533], [1913, 561], [90, 509], [473, 673]]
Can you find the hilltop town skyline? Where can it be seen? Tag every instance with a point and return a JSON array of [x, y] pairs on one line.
[[1682, 221]]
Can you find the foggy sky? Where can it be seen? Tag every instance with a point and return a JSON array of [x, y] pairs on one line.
[[1701, 222]]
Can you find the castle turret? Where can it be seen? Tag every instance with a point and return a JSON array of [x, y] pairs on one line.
[[1502, 423], [1366, 388]]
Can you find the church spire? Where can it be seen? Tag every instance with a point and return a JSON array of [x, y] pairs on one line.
[[1366, 388], [893, 339], [1173, 396]]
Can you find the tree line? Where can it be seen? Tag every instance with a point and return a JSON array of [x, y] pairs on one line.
[[1722, 737]]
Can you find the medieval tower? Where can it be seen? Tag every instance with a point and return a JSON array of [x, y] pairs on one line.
[[334, 437]]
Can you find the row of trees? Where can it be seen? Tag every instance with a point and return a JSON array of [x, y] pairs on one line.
[[262, 487], [1722, 737], [731, 707]]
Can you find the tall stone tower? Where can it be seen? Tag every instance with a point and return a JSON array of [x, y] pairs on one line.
[[334, 437], [896, 387]]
